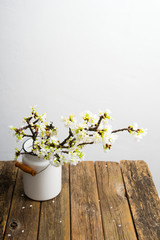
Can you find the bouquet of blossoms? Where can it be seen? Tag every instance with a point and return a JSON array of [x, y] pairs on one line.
[[94, 128]]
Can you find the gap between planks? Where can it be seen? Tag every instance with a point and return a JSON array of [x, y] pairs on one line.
[[85, 208], [143, 198], [116, 215], [24, 215], [8, 174]]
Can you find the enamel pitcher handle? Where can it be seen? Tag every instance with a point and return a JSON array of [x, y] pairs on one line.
[[25, 168]]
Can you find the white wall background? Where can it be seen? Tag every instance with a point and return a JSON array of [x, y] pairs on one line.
[[71, 56]]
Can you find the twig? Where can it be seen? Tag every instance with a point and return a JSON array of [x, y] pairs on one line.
[[120, 130], [96, 125], [27, 135], [25, 127], [85, 143], [65, 140], [124, 129]]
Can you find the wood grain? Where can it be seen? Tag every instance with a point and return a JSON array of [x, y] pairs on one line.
[[143, 199], [117, 220], [24, 215], [85, 211], [7, 183], [55, 214]]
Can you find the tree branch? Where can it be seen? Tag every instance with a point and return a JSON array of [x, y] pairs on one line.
[[25, 127], [65, 140], [85, 143], [124, 129], [27, 135], [96, 125]]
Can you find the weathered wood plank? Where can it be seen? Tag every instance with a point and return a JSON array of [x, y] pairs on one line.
[[143, 199], [85, 210], [24, 215], [7, 183], [116, 216], [55, 214]]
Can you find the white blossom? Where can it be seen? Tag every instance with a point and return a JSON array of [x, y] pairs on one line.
[[94, 128], [74, 159], [96, 138], [138, 133], [53, 139], [139, 136], [68, 123]]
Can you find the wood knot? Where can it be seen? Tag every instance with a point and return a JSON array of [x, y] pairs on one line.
[[14, 225], [121, 191]]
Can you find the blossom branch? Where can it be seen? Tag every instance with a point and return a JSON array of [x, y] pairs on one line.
[[92, 130], [96, 125], [125, 129], [85, 143], [120, 130], [28, 121], [34, 133], [27, 135], [65, 140]]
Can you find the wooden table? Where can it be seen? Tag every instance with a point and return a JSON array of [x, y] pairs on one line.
[[105, 200]]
